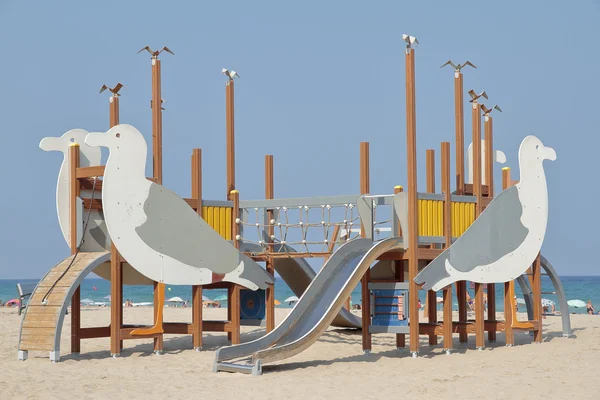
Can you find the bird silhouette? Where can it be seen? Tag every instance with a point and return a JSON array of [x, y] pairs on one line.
[[114, 90], [458, 67], [487, 111], [475, 96], [410, 40], [230, 74], [157, 52], [161, 101]]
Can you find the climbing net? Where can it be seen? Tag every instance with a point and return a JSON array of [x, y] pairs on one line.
[[312, 230]]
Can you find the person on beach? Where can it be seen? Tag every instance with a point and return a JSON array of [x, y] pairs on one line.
[[470, 302], [590, 308]]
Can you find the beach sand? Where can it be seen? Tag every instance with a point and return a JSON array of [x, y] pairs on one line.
[[334, 367]]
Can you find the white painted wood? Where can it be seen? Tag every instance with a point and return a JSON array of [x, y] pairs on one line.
[[126, 195], [498, 155]]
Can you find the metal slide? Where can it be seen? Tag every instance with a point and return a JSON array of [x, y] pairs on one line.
[[298, 275], [313, 314]]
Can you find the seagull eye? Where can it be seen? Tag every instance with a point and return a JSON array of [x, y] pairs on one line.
[[537, 146], [118, 135], [72, 140]]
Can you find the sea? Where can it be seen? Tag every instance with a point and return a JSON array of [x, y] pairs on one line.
[[95, 289]]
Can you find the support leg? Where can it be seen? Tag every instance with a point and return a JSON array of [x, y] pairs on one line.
[[76, 321], [479, 317], [197, 317]]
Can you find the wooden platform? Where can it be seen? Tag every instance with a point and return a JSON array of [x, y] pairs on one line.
[[42, 324]]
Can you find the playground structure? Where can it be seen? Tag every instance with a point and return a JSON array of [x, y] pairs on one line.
[[282, 234]]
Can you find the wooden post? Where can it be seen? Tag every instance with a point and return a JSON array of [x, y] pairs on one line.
[[269, 193], [413, 218], [509, 307], [365, 293], [73, 195], [113, 112], [230, 136], [157, 164], [459, 123], [430, 300], [116, 301], [489, 180], [234, 298], [197, 289], [448, 236], [399, 275], [156, 121], [537, 298], [479, 307]]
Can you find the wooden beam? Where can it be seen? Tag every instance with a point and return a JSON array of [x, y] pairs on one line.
[[270, 292], [479, 305], [431, 299], [90, 172], [399, 275], [230, 136], [365, 293], [447, 291], [459, 128], [196, 329], [73, 194], [537, 298], [509, 305], [413, 217]]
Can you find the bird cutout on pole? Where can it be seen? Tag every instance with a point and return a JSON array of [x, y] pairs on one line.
[[507, 236], [498, 155], [411, 41], [458, 67], [114, 91], [230, 74], [488, 111], [155, 53], [475, 96]]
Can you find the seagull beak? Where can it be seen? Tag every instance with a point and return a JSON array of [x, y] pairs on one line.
[[52, 144], [96, 139], [549, 153]]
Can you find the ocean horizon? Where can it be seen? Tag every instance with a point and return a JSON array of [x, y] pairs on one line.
[[582, 287]]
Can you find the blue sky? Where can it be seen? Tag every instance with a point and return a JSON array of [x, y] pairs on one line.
[[316, 79]]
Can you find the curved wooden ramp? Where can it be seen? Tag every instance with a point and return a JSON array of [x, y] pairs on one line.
[[42, 324]]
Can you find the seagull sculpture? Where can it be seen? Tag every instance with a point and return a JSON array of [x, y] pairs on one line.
[[155, 53], [95, 237], [157, 232], [458, 67], [487, 111], [114, 91], [506, 237], [230, 74], [475, 96]]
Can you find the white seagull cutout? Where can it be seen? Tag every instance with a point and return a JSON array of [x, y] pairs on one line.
[[506, 237]]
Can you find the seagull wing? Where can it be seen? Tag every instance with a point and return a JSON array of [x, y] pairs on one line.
[[117, 87], [103, 88], [496, 232], [167, 50], [147, 48], [174, 229], [469, 63]]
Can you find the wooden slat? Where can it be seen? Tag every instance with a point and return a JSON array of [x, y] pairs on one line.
[[96, 332], [88, 184], [192, 203], [178, 328], [469, 189], [96, 203], [89, 172], [56, 297]]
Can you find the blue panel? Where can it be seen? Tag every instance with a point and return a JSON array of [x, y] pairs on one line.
[[388, 293], [387, 309], [253, 304]]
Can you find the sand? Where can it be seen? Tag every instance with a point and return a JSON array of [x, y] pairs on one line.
[[334, 367]]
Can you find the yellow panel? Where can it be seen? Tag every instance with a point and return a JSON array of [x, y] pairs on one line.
[[215, 218], [209, 216], [453, 219], [420, 212], [222, 221], [429, 217], [461, 218], [440, 214], [228, 221], [204, 212]]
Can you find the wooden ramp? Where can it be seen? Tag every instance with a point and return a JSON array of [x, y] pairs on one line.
[[42, 324]]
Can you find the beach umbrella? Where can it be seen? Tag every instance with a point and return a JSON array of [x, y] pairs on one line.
[[547, 303], [86, 301], [576, 303], [176, 299], [291, 299], [222, 297], [13, 301], [520, 301], [439, 300], [107, 297], [204, 298], [277, 302]]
